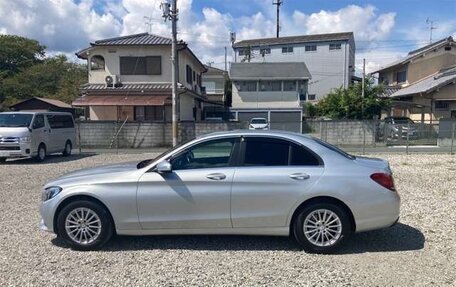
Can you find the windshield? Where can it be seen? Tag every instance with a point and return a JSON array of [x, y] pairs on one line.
[[258, 121], [15, 120], [146, 162], [334, 148], [402, 121]]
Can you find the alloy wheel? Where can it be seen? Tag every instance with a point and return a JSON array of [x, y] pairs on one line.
[[83, 225], [322, 227]]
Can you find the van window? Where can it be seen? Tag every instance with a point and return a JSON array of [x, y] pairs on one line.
[[60, 121], [38, 122]]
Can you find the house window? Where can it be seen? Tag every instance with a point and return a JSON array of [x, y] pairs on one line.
[[311, 48], [242, 52], [289, 86], [150, 65], [264, 51], [335, 46], [288, 49], [189, 74], [97, 63], [401, 76], [311, 97], [247, 86], [383, 80], [194, 76], [148, 113], [270, 86], [442, 105]]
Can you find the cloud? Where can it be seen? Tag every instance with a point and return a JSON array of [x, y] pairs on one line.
[[61, 25], [363, 21]]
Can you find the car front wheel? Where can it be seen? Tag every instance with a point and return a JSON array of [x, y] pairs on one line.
[[84, 225], [321, 227]]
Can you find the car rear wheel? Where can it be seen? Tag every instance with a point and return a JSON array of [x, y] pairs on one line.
[[321, 227], [41, 153], [84, 225], [67, 149]]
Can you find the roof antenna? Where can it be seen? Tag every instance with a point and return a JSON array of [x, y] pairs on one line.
[[431, 26], [148, 22]]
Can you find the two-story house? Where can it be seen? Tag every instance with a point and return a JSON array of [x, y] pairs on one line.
[[130, 78], [422, 84], [269, 90], [214, 80], [330, 58]]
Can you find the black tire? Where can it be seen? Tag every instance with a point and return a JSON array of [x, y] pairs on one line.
[[2, 159], [41, 153], [308, 246], [67, 149], [105, 234]]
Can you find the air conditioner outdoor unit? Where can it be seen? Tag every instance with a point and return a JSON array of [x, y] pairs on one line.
[[112, 81]]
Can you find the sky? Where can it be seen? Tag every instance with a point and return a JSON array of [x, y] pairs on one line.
[[384, 30]]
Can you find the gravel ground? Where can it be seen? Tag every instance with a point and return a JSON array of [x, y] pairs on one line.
[[420, 250]]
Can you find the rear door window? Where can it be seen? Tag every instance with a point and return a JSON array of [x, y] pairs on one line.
[[262, 151]]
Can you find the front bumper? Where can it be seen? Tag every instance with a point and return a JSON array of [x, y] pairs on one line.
[[47, 210], [15, 150]]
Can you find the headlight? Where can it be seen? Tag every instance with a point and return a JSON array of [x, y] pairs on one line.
[[25, 139], [50, 192]]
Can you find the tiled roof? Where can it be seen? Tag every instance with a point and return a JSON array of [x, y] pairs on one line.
[[388, 91], [210, 71], [269, 70], [128, 87], [417, 53], [295, 39], [429, 84], [136, 39]]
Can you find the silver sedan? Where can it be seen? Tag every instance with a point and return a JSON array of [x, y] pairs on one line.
[[242, 182]]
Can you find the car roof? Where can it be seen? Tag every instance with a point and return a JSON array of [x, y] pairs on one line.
[[276, 133]]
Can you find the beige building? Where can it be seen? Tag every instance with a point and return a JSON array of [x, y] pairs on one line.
[[214, 84], [130, 78], [423, 84]]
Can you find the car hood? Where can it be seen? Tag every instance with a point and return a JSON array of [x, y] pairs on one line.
[[96, 174], [373, 162], [15, 132]]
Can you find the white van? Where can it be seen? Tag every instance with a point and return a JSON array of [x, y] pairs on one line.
[[36, 134]]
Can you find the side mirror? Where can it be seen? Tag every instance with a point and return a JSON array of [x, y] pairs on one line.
[[164, 166]]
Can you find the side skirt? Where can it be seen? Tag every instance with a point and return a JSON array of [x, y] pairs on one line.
[[271, 231]]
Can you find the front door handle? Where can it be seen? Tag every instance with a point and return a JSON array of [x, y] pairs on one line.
[[216, 176], [299, 176]]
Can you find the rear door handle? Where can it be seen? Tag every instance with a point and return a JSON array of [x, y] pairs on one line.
[[216, 176], [299, 176]]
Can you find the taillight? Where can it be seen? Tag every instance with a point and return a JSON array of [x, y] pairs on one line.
[[384, 179]]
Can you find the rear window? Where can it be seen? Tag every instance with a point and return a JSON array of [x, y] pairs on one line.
[[60, 121], [334, 148]]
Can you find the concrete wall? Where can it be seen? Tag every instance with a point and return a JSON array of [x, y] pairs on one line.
[[342, 132], [100, 134]]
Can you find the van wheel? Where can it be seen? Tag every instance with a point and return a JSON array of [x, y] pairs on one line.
[[41, 154], [321, 227], [67, 149]]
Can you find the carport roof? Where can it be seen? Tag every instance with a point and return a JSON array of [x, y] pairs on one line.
[[269, 71]]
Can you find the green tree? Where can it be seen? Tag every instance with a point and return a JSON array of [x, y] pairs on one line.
[[52, 78], [349, 103], [18, 53]]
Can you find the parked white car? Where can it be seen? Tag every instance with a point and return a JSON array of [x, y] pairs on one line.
[[259, 124], [36, 134]]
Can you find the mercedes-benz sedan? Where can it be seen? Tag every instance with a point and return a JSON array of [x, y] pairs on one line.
[[241, 182]]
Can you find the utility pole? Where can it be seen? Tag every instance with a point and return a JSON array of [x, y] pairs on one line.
[[171, 14], [277, 3], [362, 88], [430, 23], [225, 60]]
